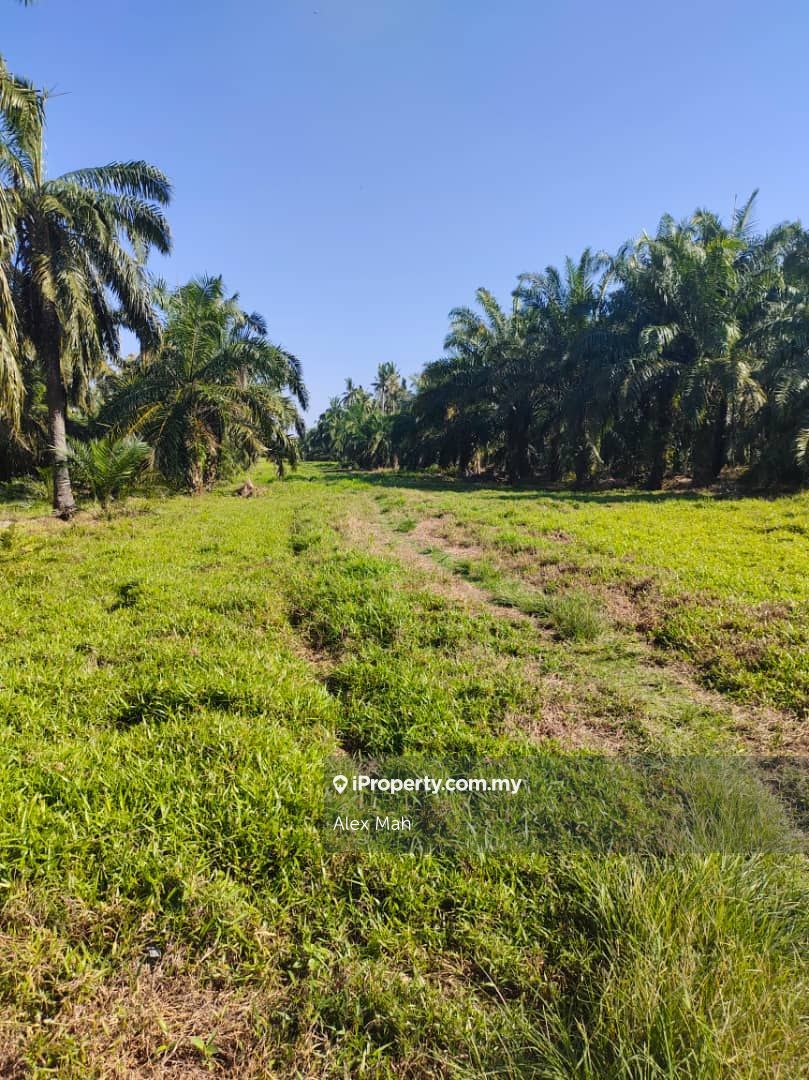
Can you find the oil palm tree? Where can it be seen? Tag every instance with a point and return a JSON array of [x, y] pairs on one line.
[[80, 246], [389, 388], [322, 441], [485, 384], [695, 286], [354, 393], [109, 466], [571, 382], [21, 118], [453, 410], [781, 427], [214, 384]]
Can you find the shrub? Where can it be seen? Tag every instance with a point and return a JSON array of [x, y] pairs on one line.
[[108, 467]]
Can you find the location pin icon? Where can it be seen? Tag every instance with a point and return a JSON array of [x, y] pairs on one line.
[[341, 783]]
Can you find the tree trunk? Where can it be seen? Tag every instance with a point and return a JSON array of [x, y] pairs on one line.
[[63, 501], [518, 464], [583, 469], [555, 458], [720, 439], [584, 457], [661, 442]]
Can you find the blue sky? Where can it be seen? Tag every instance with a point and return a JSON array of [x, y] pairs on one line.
[[355, 168]]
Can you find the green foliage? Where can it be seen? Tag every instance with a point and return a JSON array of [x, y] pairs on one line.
[[211, 392], [21, 120], [77, 246], [360, 429], [109, 467], [686, 352], [8, 535]]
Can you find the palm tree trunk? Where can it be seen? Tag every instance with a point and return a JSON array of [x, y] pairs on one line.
[[555, 457], [720, 439], [583, 469], [660, 455], [584, 458], [518, 465], [56, 395], [661, 442]]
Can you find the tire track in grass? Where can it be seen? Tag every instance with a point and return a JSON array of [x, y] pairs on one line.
[[567, 712], [660, 696]]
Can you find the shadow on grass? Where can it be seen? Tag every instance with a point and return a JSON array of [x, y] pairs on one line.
[[24, 490], [387, 479]]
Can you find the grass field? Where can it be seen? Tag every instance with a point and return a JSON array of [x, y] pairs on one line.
[[178, 679]]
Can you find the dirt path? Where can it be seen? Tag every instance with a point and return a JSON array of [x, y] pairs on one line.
[[622, 693]]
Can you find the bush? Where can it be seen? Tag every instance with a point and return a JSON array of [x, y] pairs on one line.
[[109, 467]]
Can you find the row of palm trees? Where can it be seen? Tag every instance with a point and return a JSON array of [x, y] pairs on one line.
[[362, 428], [685, 352], [207, 381]]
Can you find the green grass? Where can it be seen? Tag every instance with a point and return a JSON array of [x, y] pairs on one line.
[[175, 683], [574, 614], [723, 581], [23, 498], [406, 525]]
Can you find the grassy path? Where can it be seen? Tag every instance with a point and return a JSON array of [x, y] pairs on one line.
[[175, 681], [597, 652]]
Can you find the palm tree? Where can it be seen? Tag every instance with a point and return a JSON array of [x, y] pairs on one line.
[[389, 388], [354, 393], [486, 383], [323, 440], [522, 387], [453, 409], [80, 246], [688, 350], [21, 117], [694, 289], [109, 466], [781, 427], [572, 382], [214, 384]]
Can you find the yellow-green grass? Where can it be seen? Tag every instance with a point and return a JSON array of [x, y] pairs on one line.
[[722, 580], [174, 684], [22, 499]]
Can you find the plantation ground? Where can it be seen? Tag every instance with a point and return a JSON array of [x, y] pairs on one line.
[[176, 679]]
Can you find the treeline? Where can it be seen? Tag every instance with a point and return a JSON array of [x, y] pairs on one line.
[[207, 390], [685, 353]]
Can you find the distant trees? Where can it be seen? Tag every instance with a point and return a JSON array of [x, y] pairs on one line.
[[685, 352], [483, 386], [390, 389], [362, 429]]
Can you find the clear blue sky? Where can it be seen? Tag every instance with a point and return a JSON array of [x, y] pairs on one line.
[[355, 168]]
